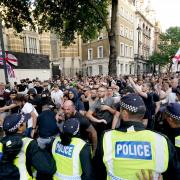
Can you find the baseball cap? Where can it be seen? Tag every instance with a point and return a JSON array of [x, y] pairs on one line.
[[12, 122], [71, 126]]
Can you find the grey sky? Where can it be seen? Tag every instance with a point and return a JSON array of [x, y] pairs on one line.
[[168, 12]]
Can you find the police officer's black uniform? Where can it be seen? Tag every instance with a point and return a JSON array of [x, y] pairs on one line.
[[173, 171], [173, 111]]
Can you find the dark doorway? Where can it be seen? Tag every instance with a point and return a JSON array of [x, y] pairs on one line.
[[56, 71]]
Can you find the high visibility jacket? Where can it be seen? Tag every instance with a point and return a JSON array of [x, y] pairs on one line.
[[20, 161], [126, 153], [1, 146], [68, 159], [177, 141]]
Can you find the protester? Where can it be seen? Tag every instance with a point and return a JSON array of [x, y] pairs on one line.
[[46, 122], [28, 108], [102, 111], [57, 96], [87, 131], [151, 100], [73, 96], [96, 102]]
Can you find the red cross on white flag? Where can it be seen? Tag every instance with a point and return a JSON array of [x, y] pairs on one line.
[[176, 58]]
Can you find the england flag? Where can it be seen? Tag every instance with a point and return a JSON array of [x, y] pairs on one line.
[[10, 58], [176, 58]]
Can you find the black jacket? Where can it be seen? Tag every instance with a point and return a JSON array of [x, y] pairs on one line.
[[39, 159], [172, 134]]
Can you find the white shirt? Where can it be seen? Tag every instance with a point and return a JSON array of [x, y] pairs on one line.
[[57, 97], [28, 108], [172, 97]]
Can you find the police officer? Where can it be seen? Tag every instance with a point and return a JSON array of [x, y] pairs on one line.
[[127, 150], [19, 156], [72, 154], [173, 119]]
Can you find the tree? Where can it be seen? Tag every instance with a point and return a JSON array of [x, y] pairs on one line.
[[66, 18], [16, 13], [158, 59], [169, 44]]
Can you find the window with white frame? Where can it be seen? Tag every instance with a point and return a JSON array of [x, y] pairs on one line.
[[131, 34], [122, 11], [126, 32], [131, 52], [90, 70], [24, 44], [131, 18], [100, 51], [126, 14], [32, 45], [121, 30], [100, 69], [90, 54], [121, 49], [126, 51], [121, 68], [126, 68]]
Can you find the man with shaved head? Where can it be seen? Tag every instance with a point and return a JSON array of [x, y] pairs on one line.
[[87, 131]]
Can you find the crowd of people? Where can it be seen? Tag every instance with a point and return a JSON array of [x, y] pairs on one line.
[[89, 128]]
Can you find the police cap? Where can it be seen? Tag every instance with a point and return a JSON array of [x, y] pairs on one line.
[[133, 103], [12, 122], [173, 110], [71, 126]]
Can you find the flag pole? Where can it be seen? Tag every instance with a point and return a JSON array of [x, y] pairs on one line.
[[3, 52]]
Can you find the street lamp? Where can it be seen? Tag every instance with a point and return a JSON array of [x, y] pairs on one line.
[[138, 50]]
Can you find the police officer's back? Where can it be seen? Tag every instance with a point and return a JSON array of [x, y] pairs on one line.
[[173, 120], [18, 155], [130, 148], [72, 154]]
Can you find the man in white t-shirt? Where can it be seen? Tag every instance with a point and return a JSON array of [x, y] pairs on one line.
[[57, 96], [28, 108]]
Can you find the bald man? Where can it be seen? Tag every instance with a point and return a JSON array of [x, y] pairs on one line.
[[87, 131]]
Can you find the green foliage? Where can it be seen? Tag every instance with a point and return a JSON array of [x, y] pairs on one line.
[[16, 13], [68, 17], [158, 58], [169, 45]]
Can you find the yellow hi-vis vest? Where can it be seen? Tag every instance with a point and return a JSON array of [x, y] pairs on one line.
[[177, 141], [20, 161], [68, 159], [1, 150], [126, 153]]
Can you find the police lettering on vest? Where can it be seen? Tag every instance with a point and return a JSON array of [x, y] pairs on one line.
[[66, 151], [133, 150]]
